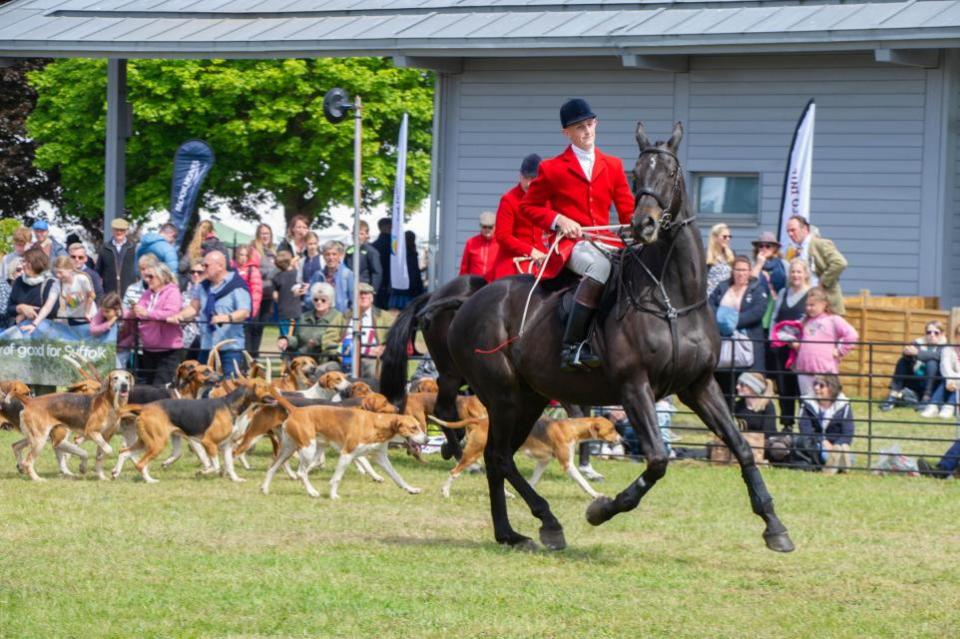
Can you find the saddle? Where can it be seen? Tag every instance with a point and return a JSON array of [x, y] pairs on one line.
[[569, 286]]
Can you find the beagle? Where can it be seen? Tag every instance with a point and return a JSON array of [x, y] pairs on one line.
[[355, 433], [265, 419], [423, 405], [96, 417], [424, 385], [10, 389], [193, 380], [298, 374], [208, 425], [549, 439]]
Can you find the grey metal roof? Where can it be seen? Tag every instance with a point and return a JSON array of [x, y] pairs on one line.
[[280, 28]]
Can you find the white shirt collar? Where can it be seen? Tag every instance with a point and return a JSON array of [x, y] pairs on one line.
[[585, 158]]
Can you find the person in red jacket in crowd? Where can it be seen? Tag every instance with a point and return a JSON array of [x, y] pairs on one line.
[[247, 264], [480, 252], [517, 236], [573, 190]]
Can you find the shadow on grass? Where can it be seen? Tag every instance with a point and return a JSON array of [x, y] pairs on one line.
[[592, 554]]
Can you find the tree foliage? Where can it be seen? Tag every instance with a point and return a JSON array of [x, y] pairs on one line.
[[22, 184], [263, 119]]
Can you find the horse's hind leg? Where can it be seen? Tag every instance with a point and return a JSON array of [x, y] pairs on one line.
[[510, 424], [446, 409], [640, 406], [708, 403]]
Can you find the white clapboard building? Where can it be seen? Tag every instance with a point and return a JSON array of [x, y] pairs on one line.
[[885, 76]]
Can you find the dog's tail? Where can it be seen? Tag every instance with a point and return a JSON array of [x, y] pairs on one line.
[[213, 359], [130, 409], [282, 401], [393, 363], [467, 423]]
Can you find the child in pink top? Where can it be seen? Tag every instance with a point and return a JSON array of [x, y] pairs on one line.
[[826, 339]]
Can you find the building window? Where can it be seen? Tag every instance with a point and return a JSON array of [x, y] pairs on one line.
[[730, 194]]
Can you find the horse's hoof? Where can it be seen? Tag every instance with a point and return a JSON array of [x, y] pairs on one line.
[[779, 542], [523, 544], [600, 510], [552, 538]]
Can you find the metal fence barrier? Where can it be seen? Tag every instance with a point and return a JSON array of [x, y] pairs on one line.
[[876, 433]]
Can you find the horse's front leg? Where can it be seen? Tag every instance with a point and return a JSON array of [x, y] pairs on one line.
[[708, 403], [640, 406]]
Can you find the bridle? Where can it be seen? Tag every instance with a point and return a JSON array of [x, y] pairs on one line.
[[667, 222]]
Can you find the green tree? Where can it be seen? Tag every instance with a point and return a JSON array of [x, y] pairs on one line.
[[22, 185], [263, 119]]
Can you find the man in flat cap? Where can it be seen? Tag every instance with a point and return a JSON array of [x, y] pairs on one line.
[[517, 236], [573, 190], [480, 251], [116, 263], [374, 326]]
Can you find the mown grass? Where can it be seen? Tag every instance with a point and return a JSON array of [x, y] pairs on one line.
[[189, 557]]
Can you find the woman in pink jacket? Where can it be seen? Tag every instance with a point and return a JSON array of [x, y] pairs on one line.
[[826, 339], [161, 341]]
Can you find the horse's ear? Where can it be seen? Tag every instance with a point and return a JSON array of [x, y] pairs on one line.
[[642, 140], [674, 140]]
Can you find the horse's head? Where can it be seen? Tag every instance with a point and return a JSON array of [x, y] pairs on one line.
[[657, 185]]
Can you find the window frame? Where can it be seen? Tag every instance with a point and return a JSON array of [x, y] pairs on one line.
[[745, 218]]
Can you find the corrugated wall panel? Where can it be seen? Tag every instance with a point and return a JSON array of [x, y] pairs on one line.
[[510, 108], [953, 264], [868, 157]]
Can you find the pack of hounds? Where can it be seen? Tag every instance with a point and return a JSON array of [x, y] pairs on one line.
[[301, 413]]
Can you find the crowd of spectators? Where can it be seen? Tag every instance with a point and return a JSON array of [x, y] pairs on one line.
[[783, 336], [779, 313], [163, 304]]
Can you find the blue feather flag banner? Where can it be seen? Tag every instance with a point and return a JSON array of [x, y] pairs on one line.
[[191, 163], [399, 279], [796, 180]]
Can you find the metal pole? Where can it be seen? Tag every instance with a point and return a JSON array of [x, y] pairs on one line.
[[114, 186], [357, 132], [435, 177], [870, 409]]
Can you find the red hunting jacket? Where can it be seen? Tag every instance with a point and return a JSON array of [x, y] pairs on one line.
[[479, 256], [515, 234], [561, 187]]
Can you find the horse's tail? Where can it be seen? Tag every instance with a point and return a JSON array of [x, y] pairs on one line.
[[393, 362]]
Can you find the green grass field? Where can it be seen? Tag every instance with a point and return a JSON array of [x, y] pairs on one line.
[[189, 557]]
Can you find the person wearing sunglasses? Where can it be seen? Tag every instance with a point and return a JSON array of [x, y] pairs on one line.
[[719, 256], [916, 375], [83, 264], [767, 260], [319, 331], [480, 251], [161, 341], [827, 426], [20, 240], [191, 330]]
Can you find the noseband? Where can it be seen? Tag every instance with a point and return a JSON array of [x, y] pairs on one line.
[[666, 220]]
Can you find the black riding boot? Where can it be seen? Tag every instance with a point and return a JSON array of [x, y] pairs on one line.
[[576, 354]]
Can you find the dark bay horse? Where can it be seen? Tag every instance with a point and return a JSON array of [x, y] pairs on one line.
[[432, 313], [656, 337]]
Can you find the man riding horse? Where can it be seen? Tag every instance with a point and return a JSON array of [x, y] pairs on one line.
[[573, 190]]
